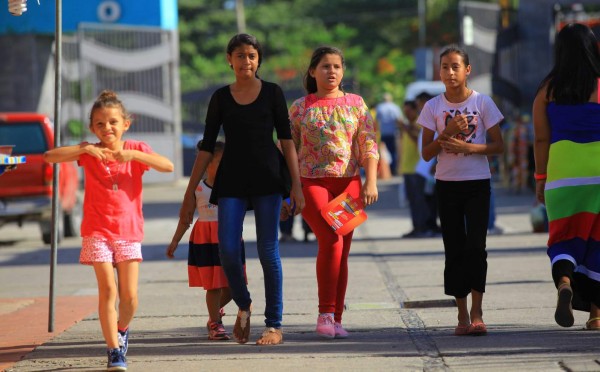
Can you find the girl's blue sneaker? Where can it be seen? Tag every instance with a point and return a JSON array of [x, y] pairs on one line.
[[124, 340], [116, 360]]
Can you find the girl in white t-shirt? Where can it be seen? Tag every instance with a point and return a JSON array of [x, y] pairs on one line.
[[461, 117]]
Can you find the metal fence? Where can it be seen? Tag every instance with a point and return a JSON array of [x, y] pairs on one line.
[[141, 65]]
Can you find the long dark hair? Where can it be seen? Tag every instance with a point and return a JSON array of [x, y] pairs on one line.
[[576, 66], [245, 39], [310, 83], [453, 48]]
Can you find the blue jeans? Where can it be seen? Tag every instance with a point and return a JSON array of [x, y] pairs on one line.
[[415, 193], [231, 219], [390, 144]]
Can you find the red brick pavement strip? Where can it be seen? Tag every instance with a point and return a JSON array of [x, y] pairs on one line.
[[26, 328]]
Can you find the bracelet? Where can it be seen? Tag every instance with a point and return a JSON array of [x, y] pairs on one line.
[[539, 176]]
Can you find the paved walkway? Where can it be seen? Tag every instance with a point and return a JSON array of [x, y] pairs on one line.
[[24, 323], [397, 314]]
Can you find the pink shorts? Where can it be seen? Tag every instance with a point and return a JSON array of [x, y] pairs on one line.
[[101, 250]]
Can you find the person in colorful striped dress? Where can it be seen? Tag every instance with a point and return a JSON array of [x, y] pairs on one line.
[[204, 265], [566, 118]]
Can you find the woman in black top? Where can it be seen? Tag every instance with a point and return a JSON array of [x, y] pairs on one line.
[[249, 176]]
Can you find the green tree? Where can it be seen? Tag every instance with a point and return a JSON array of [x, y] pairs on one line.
[[378, 38]]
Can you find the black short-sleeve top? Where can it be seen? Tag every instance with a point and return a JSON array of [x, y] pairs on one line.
[[250, 165]]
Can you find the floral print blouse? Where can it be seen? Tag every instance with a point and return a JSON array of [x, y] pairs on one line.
[[333, 136]]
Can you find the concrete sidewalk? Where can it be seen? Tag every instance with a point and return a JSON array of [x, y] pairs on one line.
[[397, 314]]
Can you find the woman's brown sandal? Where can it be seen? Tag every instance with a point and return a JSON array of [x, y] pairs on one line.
[[590, 327], [241, 329], [564, 311], [271, 336]]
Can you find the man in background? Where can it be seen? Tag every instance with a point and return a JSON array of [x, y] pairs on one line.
[[389, 117], [414, 183]]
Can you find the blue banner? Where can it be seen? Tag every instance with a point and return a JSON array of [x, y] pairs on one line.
[[40, 19]]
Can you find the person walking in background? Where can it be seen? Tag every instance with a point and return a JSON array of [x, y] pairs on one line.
[[334, 135], [421, 99], [204, 265], [461, 117], [251, 175], [414, 182], [427, 170], [493, 229], [113, 224], [384, 170], [566, 119], [389, 118]]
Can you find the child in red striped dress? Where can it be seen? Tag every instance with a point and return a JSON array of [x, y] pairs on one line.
[[204, 265]]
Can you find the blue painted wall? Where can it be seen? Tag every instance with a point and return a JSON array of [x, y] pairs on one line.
[[39, 19]]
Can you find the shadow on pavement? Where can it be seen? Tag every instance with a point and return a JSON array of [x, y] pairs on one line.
[[502, 339], [288, 250]]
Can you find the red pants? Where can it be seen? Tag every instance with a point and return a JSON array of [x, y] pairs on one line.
[[332, 259]]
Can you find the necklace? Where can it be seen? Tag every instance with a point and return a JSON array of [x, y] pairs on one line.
[[115, 181]]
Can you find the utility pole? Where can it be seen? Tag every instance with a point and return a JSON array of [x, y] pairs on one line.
[[505, 7], [422, 10], [240, 15]]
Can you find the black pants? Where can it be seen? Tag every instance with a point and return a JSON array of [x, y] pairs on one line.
[[464, 212]]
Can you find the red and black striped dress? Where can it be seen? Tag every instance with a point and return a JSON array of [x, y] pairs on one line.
[[204, 264]]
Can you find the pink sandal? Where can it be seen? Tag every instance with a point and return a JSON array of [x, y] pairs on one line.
[[461, 329], [477, 329]]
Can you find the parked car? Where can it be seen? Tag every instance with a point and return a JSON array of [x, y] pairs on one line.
[[415, 88], [26, 191]]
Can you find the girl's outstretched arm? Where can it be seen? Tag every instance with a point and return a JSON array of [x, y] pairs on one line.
[[153, 160], [71, 153]]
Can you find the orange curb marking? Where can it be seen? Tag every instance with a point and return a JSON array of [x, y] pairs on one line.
[[26, 326]]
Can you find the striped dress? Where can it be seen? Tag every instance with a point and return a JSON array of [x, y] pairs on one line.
[[204, 264], [573, 189]]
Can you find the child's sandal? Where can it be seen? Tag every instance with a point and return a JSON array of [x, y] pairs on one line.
[[461, 329]]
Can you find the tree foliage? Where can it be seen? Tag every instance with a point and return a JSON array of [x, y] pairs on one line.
[[378, 38]]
